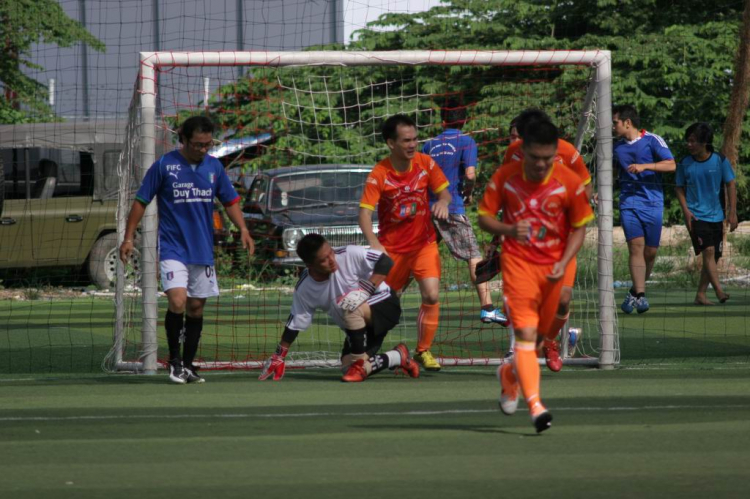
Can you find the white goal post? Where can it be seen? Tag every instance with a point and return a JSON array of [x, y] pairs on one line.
[[596, 109]]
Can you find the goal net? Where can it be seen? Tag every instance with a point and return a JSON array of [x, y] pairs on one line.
[[318, 114]]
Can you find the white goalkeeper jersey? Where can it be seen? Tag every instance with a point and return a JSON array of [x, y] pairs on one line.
[[354, 263]]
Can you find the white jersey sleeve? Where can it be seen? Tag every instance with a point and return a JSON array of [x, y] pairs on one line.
[[303, 309]]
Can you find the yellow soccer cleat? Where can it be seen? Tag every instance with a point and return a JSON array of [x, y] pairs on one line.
[[427, 361]]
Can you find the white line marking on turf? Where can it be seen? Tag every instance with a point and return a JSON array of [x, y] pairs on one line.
[[354, 414]]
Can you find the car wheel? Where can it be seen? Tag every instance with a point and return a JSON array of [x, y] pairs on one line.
[[103, 262]]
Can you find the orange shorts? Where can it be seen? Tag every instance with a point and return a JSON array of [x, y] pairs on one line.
[[569, 279], [423, 263], [531, 299]]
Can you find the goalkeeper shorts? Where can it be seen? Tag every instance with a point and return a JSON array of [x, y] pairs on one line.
[[384, 316]]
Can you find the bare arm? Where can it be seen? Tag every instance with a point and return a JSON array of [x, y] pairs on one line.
[[440, 208], [235, 215], [666, 166], [519, 231], [365, 224], [680, 192], [575, 241], [134, 218]]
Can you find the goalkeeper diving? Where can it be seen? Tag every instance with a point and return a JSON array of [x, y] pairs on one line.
[[349, 284]]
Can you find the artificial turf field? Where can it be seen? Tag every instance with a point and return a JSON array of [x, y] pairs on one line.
[[633, 432], [672, 421]]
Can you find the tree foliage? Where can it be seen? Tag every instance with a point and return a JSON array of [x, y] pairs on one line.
[[24, 23], [672, 59]]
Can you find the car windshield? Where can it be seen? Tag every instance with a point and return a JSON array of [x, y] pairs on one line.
[[317, 188]]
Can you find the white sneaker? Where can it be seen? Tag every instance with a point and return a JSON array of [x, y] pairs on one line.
[[508, 397]]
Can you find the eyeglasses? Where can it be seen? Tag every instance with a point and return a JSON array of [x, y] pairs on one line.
[[200, 145]]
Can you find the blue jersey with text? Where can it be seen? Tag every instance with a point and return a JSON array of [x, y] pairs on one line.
[[702, 183], [185, 199], [453, 152], [643, 189]]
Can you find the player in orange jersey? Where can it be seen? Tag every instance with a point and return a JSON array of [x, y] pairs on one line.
[[545, 211], [569, 156], [398, 186]]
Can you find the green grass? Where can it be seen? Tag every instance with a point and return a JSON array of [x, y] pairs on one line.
[[617, 434], [74, 334]]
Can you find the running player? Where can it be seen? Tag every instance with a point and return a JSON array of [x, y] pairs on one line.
[[569, 156], [544, 214], [398, 186], [348, 283]]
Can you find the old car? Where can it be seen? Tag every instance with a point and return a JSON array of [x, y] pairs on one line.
[[59, 196], [286, 203]]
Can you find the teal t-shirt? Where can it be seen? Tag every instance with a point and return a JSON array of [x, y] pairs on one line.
[[702, 183]]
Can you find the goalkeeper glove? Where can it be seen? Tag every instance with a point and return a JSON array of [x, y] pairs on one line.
[[275, 364], [356, 297]]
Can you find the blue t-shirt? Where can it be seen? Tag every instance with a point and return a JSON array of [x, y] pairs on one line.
[[638, 190], [453, 152], [702, 183], [185, 199]]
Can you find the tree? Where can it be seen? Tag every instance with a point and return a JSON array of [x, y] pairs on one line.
[[672, 60], [24, 23]]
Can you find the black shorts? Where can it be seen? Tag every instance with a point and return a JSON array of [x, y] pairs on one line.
[[707, 235], [386, 315]]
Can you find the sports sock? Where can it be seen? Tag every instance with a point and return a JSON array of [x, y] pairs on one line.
[[557, 325], [427, 324], [379, 362], [640, 295], [508, 374], [173, 323], [633, 293], [527, 370], [193, 328]]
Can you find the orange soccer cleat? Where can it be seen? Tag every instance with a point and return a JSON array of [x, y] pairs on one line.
[[356, 372], [409, 366]]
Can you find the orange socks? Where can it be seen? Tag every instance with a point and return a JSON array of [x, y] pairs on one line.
[[527, 369], [427, 324], [557, 325]]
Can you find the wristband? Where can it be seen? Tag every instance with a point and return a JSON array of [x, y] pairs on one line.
[[367, 286], [282, 350]]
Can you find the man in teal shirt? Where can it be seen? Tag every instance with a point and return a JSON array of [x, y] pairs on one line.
[[701, 178]]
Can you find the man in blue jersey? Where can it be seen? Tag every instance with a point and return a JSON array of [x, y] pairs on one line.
[[185, 183], [456, 154], [641, 158], [700, 181]]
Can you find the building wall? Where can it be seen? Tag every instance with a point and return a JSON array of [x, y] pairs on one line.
[[127, 27]]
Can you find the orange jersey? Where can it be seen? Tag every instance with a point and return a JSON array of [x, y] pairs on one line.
[[553, 207], [404, 218], [567, 154]]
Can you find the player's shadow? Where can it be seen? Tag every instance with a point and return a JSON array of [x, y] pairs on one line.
[[474, 428]]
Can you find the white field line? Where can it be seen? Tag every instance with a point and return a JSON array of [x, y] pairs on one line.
[[356, 414]]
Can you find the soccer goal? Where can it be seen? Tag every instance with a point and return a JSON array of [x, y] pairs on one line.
[[325, 108]]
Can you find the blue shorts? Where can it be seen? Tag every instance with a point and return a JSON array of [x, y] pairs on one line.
[[644, 222]]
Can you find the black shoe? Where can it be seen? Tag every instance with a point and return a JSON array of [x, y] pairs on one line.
[[543, 421], [191, 375], [177, 372]]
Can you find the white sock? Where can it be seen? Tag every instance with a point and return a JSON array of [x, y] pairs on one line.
[[394, 359]]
